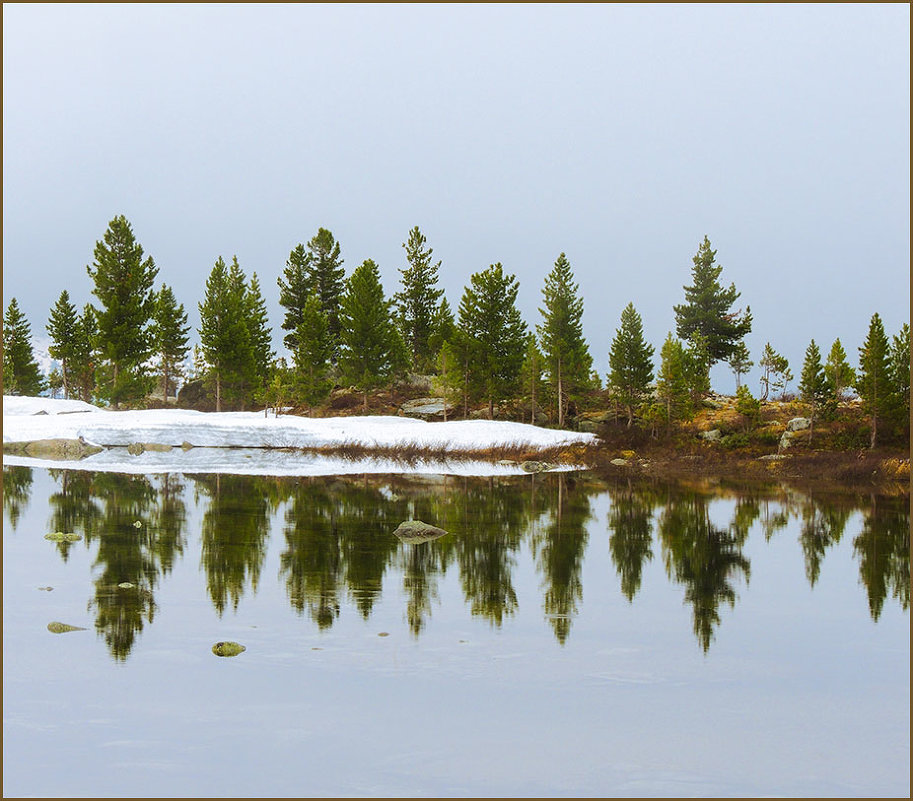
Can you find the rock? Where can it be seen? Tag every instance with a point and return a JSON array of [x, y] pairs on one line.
[[55, 627], [63, 449], [417, 382], [137, 524], [714, 402], [426, 408], [60, 536], [415, 532], [194, 395], [714, 435], [771, 457], [619, 462], [536, 467], [507, 463], [46, 589], [126, 585], [798, 424], [186, 446], [228, 648], [135, 448], [157, 446]]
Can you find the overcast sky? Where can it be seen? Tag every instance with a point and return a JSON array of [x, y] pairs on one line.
[[620, 135]]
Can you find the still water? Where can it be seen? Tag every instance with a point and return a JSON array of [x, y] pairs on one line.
[[566, 637]]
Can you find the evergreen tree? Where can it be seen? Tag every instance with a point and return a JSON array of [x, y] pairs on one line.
[[707, 308], [21, 375], [775, 372], [899, 361], [261, 337], [417, 303], [672, 387], [813, 388], [294, 292], [123, 284], [630, 363], [312, 354], [561, 334], [169, 336], [838, 372], [495, 331], [531, 384], [326, 278], [442, 328], [369, 339], [697, 368], [224, 334], [740, 362], [84, 356], [873, 381], [61, 327]]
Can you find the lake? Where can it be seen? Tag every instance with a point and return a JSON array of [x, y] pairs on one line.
[[566, 637]]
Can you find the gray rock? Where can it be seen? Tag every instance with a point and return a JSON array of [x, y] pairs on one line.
[[786, 439], [63, 449], [619, 462], [771, 457], [798, 424], [714, 435], [536, 467], [415, 532], [426, 408], [135, 448], [157, 446], [186, 446]]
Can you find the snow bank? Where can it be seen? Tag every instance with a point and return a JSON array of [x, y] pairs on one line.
[[26, 419]]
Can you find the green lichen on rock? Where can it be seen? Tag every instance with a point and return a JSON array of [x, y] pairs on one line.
[[228, 648], [415, 532], [56, 627], [60, 536]]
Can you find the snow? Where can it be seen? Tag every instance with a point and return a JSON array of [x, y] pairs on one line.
[[249, 442]]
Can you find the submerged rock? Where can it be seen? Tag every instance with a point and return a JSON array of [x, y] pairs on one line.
[[135, 448], [415, 532], [536, 467], [60, 536], [228, 648], [56, 627], [126, 585], [62, 449]]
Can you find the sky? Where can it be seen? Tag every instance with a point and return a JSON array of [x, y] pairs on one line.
[[619, 135]]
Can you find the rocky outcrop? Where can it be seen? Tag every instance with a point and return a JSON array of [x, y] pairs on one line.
[[427, 408]]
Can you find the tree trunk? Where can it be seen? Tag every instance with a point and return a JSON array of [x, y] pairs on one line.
[[366, 400], [218, 392], [491, 407], [560, 398], [165, 387]]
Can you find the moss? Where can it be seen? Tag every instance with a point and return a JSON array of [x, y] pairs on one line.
[[228, 648]]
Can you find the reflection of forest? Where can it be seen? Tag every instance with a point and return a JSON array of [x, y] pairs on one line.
[[339, 542]]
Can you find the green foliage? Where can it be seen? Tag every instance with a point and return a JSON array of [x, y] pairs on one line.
[[371, 346], [442, 329], [775, 373], [169, 336], [531, 374], [813, 385], [899, 365], [740, 362], [261, 337], [452, 368], [123, 285], [672, 381], [707, 308], [84, 356], [21, 375], [747, 405], [326, 278], [61, 327], [630, 363], [495, 333], [873, 380], [838, 372], [417, 303], [697, 368], [294, 292], [561, 333], [735, 441], [312, 354]]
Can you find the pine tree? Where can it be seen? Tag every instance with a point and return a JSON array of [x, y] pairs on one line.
[[326, 278], [873, 381], [261, 337], [630, 363], [740, 362], [672, 387], [169, 336], [561, 333], [369, 339], [813, 388], [495, 332], [531, 375], [775, 372], [312, 354], [84, 355], [417, 303], [838, 371], [899, 362], [294, 292], [442, 328], [124, 286], [61, 327], [707, 308], [21, 375], [697, 368], [224, 334]]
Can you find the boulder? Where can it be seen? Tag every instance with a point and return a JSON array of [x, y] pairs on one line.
[[415, 532], [536, 467], [426, 408], [619, 462], [63, 449], [798, 424], [714, 435], [228, 648], [135, 448]]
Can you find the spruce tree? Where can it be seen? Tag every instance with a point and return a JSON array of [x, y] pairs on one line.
[[312, 354], [873, 380], [561, 335], [326, 277], [169, 336], [899, 362], [775, 372], [261, 337], [708, 308], [370, 342], [84, 354], [740, 363], [672, 388], [61, 327], [21, 375], [294, 292], [838, 371], [495, 332], [442, 328], [124, 286], [417, 303], [813, 388], [630, 363], [531, 375]]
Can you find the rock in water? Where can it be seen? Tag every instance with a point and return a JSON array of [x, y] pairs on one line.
[[415, 532], [228, 648], [56, 627], [537, 467], [60, 536]]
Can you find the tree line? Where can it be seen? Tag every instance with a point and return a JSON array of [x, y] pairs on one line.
[[347, 332]]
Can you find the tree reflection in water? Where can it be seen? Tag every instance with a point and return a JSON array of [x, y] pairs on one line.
[[631, 534], [883, 549], [17, 486]]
